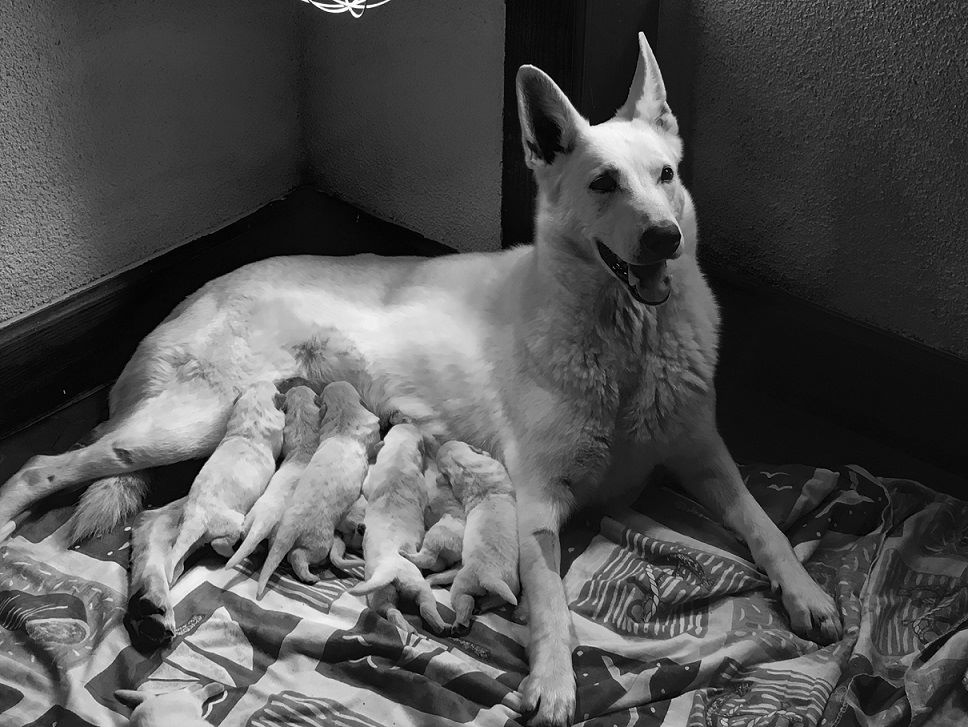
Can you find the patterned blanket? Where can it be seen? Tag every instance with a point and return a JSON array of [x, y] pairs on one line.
[[674, 626]]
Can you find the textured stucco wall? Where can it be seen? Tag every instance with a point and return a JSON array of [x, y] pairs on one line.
[[827, 151], [127, 128], [403, 114]]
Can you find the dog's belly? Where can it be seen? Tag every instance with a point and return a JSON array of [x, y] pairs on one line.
[[413, 334]]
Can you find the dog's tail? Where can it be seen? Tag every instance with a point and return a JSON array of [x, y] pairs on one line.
[[191, 531], [279, 544], [256, 530], [106, 504]]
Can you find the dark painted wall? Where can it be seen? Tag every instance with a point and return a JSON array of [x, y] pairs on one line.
[[826, 149]]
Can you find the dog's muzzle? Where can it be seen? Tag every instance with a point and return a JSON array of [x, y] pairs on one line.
[[648, 284]]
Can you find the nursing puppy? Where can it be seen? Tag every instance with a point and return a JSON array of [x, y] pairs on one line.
[[444, 518], [329, 485], [233, 477], [396, 496], [182, 707], [299, 441], [350, 531], [490, 547]]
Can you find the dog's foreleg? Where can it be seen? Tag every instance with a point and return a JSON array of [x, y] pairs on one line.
[[708, 473], [549, 688]]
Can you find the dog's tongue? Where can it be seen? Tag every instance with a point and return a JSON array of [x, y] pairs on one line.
[[650, 282]]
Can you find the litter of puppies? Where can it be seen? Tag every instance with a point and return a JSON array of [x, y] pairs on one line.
[[339, 490]]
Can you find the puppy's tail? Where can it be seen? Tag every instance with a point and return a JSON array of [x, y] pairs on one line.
[[280, 543], [424, 559], [337, 556], [190, 533], [384, 575], [106, 504], [255, 532], [443, 578], [497, 587]]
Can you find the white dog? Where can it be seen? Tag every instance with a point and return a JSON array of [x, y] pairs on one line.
[[233, 478], [182, 708], [396, 496], [489, 550], [444, 519], [328, 487], [300, 440], [581, 362]]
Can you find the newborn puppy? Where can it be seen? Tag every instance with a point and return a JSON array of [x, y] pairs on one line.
[[350, 531], [444, 517], [490, 548], [329, 485], [232, 478], [396, 497], [299, 441], [182, 707]]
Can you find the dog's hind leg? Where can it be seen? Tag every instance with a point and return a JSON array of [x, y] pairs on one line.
[[150, 620], [183, 422]]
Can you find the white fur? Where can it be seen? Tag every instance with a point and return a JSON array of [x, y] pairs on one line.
[[182, 707], [233, 478], [444, 519], [539, 355], [490, 545], [328, 487], [396, 497], [299, 441]]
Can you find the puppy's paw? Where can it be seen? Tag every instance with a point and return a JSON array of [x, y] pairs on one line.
[[549, 693], [813, 613]]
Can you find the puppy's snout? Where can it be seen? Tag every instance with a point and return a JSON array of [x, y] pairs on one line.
[[361, 529], [661, 241]]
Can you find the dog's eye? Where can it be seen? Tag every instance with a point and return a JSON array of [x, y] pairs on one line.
[[604, 182], [667, 174]]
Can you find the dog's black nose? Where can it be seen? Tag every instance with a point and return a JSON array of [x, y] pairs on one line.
[[660, 242]]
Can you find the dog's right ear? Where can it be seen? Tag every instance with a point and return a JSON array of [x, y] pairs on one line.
[[549, 123]]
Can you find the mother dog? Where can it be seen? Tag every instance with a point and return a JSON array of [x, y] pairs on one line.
[[582, 362]]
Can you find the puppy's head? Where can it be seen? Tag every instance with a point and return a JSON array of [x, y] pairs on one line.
[[611, 192]]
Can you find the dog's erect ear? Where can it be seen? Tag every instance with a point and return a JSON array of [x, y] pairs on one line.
[[549, 123], [130, 698], [647, 95]]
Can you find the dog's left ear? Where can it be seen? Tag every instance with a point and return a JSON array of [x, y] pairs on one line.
[[549, 123], [647, 95]]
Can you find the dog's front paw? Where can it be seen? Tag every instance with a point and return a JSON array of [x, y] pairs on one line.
[[813, 614], [549, 693]]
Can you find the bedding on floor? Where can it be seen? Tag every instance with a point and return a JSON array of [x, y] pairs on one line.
[[674, 625]]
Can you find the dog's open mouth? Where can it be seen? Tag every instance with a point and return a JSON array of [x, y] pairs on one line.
[[648, 284]]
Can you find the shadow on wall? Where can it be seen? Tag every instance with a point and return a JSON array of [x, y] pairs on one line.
[[403, 112], [826, 152]]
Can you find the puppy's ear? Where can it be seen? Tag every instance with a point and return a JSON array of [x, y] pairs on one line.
[[647, 95], [549, 123], [130, 698], [280, 400]]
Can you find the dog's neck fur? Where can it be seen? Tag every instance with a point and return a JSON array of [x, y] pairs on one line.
[[615, 356]]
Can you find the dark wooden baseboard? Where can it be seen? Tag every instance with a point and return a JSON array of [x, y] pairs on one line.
[[81, 343]]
